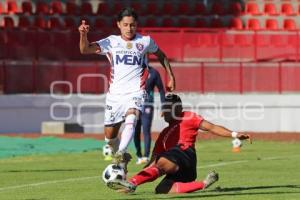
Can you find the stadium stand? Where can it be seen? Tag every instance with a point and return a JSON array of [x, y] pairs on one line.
[[235, 9], [40, 22], [184, 9], [199, 9], [26, 8], [72, 8], [204, 31], [289, 24], [42, 8], [253, 24], [236, 23], [70, 23], [218, 9], [86, 9], [252, 9], [24, 22], [270, 9], [11, 7], [271, 24], [287, 9], [56, 7]]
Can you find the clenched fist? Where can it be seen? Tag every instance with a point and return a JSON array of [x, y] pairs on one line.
[[83, 28]]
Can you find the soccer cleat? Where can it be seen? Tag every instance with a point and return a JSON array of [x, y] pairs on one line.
[[121, 186], [122, 159], [211, 178]]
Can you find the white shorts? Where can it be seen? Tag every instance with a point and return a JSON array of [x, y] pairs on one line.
[[117, 105]]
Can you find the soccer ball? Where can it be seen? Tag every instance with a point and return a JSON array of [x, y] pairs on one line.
[[113, 172], [106, 150]]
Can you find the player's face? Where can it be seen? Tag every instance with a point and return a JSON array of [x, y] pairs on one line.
[[128, 27]]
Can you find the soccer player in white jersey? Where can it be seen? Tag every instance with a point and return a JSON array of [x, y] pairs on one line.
[[127, 54]]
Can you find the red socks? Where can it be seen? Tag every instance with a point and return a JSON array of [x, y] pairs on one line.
[[179, 187], [147, 175]]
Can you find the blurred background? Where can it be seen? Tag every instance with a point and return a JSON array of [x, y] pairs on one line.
[[234, 56]]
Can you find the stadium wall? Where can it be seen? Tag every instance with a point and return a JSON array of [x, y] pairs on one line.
[[246, 112]]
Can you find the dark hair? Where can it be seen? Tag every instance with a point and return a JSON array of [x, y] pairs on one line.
[[174, 98], [129, 12]]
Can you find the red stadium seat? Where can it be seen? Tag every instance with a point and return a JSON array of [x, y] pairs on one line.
[[24, 22], [236, 23], [201, 22], [137, 6], [168, 8], [299, 9], [183, 9], [216, 22], [8, 22], [199, 9], [235, 8], [217, 8], [100, 23], [184, 21], [26, 7], [287, 9], [168, 22], [70, 23], [252, 9], [1, 8], [116, 8], [289, 24], [40, 22], [151, 22], [86, 8], [151, 8], [71, 8], [270, 9], [56, 7], [42, 8], [253, 24], [54, 23], [103, 8], [271, 24], [12, 7]]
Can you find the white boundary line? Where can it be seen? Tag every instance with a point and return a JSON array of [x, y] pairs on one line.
[[48, 182], [94, 177]]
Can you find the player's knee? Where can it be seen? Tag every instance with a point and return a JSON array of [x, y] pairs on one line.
[[166, 166], [130, 121]]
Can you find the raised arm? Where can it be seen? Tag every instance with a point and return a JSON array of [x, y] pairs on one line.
[[85, 46], [166, 64], [222, 131]]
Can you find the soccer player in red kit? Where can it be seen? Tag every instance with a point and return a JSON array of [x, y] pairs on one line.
[[174, 153]]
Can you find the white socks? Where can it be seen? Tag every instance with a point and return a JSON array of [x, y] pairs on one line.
[[128, 132], [113, 143]]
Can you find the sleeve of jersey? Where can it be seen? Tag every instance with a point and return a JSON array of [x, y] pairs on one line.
[[152, 46], [105, 45], [197, 119]]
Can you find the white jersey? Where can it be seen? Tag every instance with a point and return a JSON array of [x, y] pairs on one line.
[[128, 62]]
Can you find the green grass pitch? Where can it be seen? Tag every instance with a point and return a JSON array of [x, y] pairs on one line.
[[261, 171]]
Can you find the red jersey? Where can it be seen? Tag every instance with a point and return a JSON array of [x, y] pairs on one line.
[[181, 132]]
